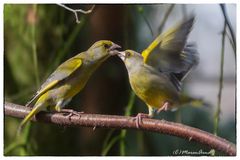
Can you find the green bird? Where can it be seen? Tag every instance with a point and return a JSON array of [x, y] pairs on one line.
[[69, 79], [156, 74]]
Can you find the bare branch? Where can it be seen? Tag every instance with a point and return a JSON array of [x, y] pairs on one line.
[[123, 122], [141, 10], [218, 110], [75, 11], [223, 8], [165, 17]]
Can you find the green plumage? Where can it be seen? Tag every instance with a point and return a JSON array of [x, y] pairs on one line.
[[69, 78], [156, 74]]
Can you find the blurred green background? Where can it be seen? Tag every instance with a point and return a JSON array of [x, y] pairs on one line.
[[39, 37]]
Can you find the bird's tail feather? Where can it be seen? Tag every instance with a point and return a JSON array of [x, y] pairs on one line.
[[194, 102], [34, 111]]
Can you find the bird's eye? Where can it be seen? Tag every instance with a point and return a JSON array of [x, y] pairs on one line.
[[127, 54], [107, 46]]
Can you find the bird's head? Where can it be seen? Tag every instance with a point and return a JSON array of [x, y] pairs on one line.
[[131, 58], [103, 48]]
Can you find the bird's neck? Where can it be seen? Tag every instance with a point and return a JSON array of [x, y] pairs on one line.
[[133, 69]]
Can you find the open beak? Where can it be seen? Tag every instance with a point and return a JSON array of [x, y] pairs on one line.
[[122, 55], [113, 49]]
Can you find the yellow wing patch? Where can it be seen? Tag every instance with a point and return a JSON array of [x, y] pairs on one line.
[[41, 92], [170, 45], [49, 86], [62, 72], [164, 39], [150, 48], [71, 65]]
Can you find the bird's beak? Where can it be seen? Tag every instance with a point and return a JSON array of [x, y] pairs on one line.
[[122, 55], [113, 49]]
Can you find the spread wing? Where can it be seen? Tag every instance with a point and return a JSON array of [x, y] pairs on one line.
[[169, 52], [61, 73]]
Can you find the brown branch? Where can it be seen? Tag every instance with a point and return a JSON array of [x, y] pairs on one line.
[[123, 122]]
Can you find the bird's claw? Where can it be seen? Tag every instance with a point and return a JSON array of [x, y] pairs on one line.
[[71, 113], [165, 107], [139, 117]]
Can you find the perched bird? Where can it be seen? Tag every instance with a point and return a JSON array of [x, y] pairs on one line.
[[156, 74], [69, 79]]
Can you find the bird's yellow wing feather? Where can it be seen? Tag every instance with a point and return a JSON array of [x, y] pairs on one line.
[[62, 72], [167, 52]]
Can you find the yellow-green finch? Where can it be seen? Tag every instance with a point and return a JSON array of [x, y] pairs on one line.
[[156, 74], [69, 79]]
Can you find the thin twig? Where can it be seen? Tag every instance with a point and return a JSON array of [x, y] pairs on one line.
[[223, 8], [34, 47], [75, 11], [12, 146], [141, 11], [165, 17], [124, 122], [218, 110], [110, 144], [123, 132], [230, 39], [107, 141]]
